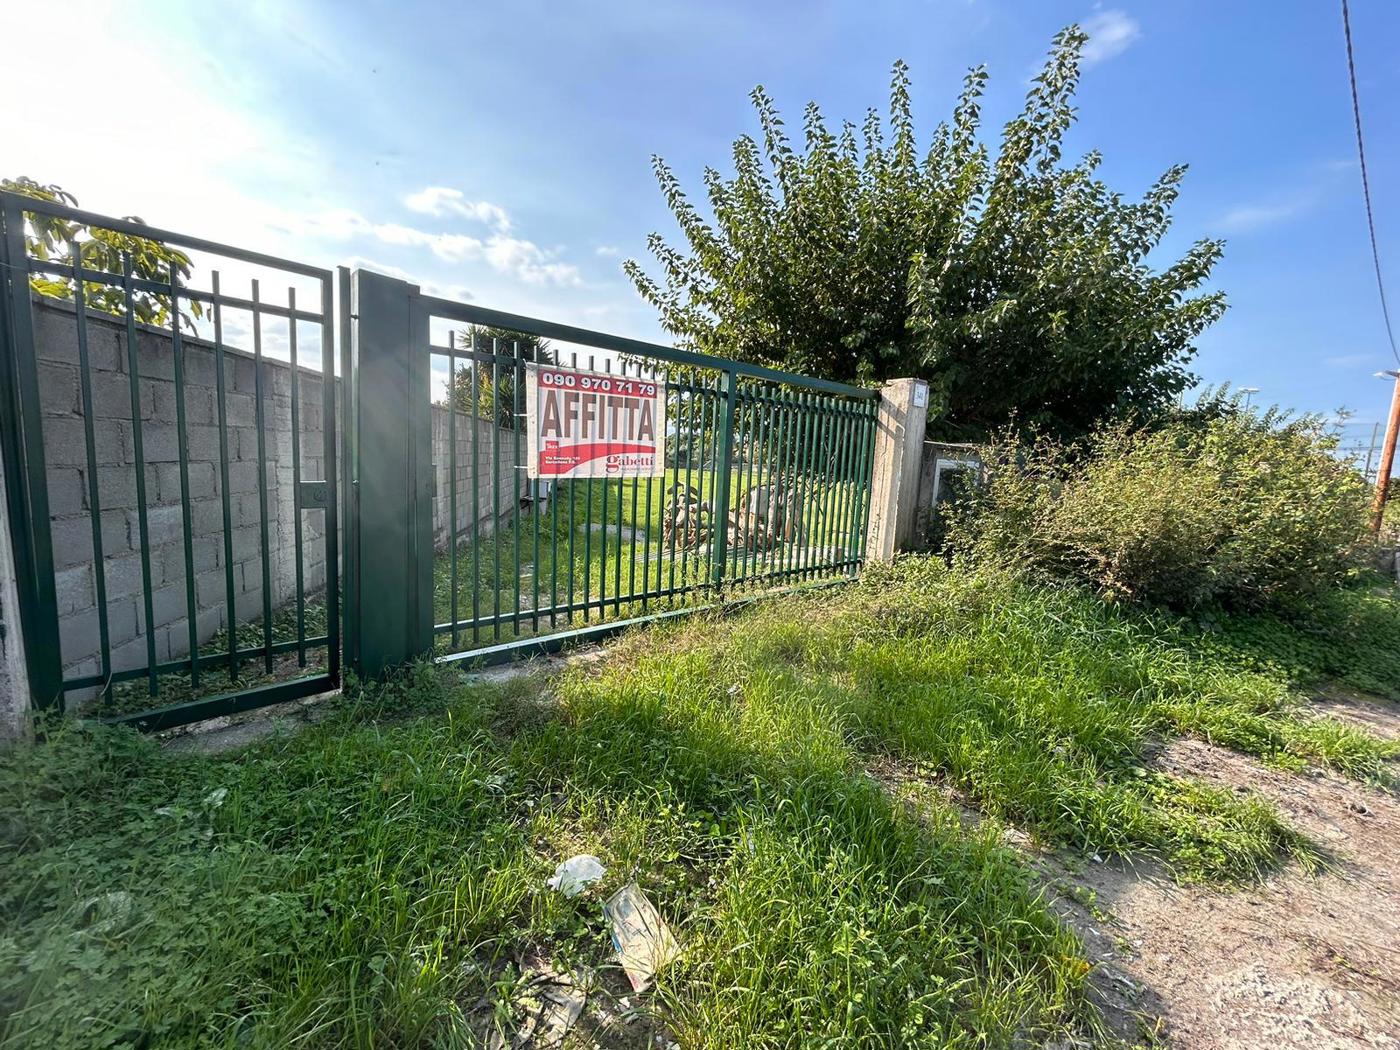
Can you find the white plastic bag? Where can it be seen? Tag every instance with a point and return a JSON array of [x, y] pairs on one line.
[[576, 874]]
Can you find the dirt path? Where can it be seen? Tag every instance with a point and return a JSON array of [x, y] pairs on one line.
[[1300, 961]]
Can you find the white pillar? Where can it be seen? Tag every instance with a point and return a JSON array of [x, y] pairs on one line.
[[894, 485], [14, 682]]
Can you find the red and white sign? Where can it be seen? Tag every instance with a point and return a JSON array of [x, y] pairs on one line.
[[594, 425]]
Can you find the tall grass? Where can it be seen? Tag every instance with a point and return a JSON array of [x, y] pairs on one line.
[[377, 878]]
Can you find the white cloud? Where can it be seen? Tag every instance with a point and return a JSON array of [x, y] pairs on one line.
[[1110, 34], [1249, 217], [512, 256], [1351, 360], [607, 251], [440, 201]]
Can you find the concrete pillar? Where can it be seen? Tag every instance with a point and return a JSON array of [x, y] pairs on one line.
[[14, 680], [894, 486]]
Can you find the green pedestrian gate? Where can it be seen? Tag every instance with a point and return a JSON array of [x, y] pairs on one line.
[[181, 437], [170, 467]]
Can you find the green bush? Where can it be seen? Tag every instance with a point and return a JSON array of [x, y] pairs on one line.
[[1223, 509]]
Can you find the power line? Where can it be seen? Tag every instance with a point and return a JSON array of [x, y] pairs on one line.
[[1365, 181]]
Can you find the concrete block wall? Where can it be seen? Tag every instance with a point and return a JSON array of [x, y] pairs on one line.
[[474, 446], [56, 348]]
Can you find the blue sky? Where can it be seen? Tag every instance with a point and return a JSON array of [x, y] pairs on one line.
[[501, 152]]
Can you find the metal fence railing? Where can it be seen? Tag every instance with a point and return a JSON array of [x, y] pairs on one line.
[[766, 485]]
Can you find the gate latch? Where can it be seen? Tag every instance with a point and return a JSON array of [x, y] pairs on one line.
[[314, 495]]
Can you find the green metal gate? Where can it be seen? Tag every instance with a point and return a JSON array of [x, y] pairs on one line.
[[766, 486], [172, 421], [172, 499]]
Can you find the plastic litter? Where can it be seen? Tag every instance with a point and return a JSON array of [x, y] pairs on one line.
[[576, 874], [643, 941]]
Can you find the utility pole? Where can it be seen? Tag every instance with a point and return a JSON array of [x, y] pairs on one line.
[[1387, 454]]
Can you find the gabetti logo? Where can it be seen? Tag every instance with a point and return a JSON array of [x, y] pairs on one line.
[[586, 425]]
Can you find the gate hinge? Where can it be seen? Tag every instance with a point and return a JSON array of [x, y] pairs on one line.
[[314, 495]]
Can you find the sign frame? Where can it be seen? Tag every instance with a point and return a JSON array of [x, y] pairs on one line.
[[561, 398]]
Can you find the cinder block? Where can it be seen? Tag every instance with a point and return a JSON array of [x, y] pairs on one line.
[[238, 409], [240, 370], [67, 491], [278, 382], [72, 538], [204, 553], [65, 443], [163, 407], [116, 487], [75, 589], [248, 509], [123, 576], [168, 604], [130, 655], [201, 481], [203, 443], [155, 356], [207, 517], [242, 477], [199, 368], [114, 442], [247, 543], [164, 525], [199, 406], [211, 590], [58, 388], [111, 396], [121, 620], [78, 637], [249, 605], [55, 335], [160, 442], [243, 442]]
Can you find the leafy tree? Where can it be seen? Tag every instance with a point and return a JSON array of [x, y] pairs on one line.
[[49, 238], [493, 399], [1016, 285]]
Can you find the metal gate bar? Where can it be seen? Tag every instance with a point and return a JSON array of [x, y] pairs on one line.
[[93, 243]]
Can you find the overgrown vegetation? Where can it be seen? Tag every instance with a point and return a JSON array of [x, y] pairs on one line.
[[378, 878], [1017, 285], [1211, 509]]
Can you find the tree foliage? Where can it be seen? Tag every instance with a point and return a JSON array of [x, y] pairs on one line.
[[52, 239], [1016, 285], [474, 390]]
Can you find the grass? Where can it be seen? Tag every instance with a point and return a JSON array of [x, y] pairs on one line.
[[611, 571], [497, 573], [214, 678], [377, 878]]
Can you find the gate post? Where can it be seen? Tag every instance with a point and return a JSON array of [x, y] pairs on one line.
[[390, 604], [25, 499], [898, 456]]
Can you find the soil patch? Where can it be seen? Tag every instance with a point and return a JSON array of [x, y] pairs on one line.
[[1298, 961]]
